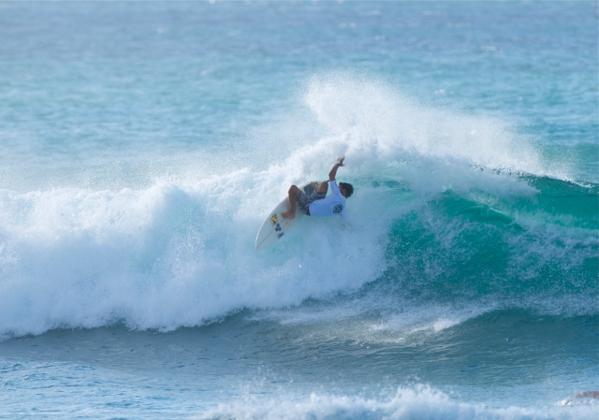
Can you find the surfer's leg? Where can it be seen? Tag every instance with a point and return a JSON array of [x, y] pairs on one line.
[[293, 197]]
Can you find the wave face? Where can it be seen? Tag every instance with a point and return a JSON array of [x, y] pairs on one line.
[[449, 208]]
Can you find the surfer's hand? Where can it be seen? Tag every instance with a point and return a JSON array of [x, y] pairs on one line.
[[337, 165]]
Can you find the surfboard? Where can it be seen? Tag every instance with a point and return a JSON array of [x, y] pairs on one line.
[[276, 226]]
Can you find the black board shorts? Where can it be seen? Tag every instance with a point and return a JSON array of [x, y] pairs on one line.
[[307, 195]]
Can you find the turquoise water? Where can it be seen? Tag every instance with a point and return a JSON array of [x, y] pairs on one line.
[[142, 144]]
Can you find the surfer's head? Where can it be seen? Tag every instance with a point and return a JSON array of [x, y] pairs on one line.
[[346, 189]]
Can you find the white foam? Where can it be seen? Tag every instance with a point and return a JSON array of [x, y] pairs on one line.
[[162, 257], [420, 402]]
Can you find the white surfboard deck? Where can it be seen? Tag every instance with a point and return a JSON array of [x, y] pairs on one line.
[[276, 227]]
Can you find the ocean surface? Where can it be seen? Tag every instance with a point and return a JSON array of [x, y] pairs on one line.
[[143, 144]]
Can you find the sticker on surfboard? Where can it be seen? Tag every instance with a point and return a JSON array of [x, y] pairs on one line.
[[275, 226]]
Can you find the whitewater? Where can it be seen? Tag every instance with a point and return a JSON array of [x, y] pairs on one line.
[[139, 160]]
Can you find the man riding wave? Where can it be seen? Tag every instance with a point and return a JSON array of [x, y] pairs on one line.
[[313, 199]]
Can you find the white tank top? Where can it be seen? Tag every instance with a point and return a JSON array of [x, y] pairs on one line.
[[333, 203]]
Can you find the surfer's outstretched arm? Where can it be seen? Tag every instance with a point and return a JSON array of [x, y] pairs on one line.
[[333, 171]]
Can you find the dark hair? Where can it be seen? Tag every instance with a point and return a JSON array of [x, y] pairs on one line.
[[348, 188]]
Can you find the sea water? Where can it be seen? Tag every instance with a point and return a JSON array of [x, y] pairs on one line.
[[143, 144]]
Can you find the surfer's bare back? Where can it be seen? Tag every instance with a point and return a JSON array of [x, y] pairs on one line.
[[313, 199]]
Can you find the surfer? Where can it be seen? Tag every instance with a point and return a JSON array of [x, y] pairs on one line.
[[313, 199]]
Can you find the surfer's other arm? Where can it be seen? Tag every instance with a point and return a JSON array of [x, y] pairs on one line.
[[333, 171]]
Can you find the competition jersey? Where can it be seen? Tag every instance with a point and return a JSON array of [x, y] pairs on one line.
[[333, 203]]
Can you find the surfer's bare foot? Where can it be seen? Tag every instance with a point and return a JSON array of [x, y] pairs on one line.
[[288, 214]]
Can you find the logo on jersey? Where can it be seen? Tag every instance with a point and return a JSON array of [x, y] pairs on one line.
[[338, 208]]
